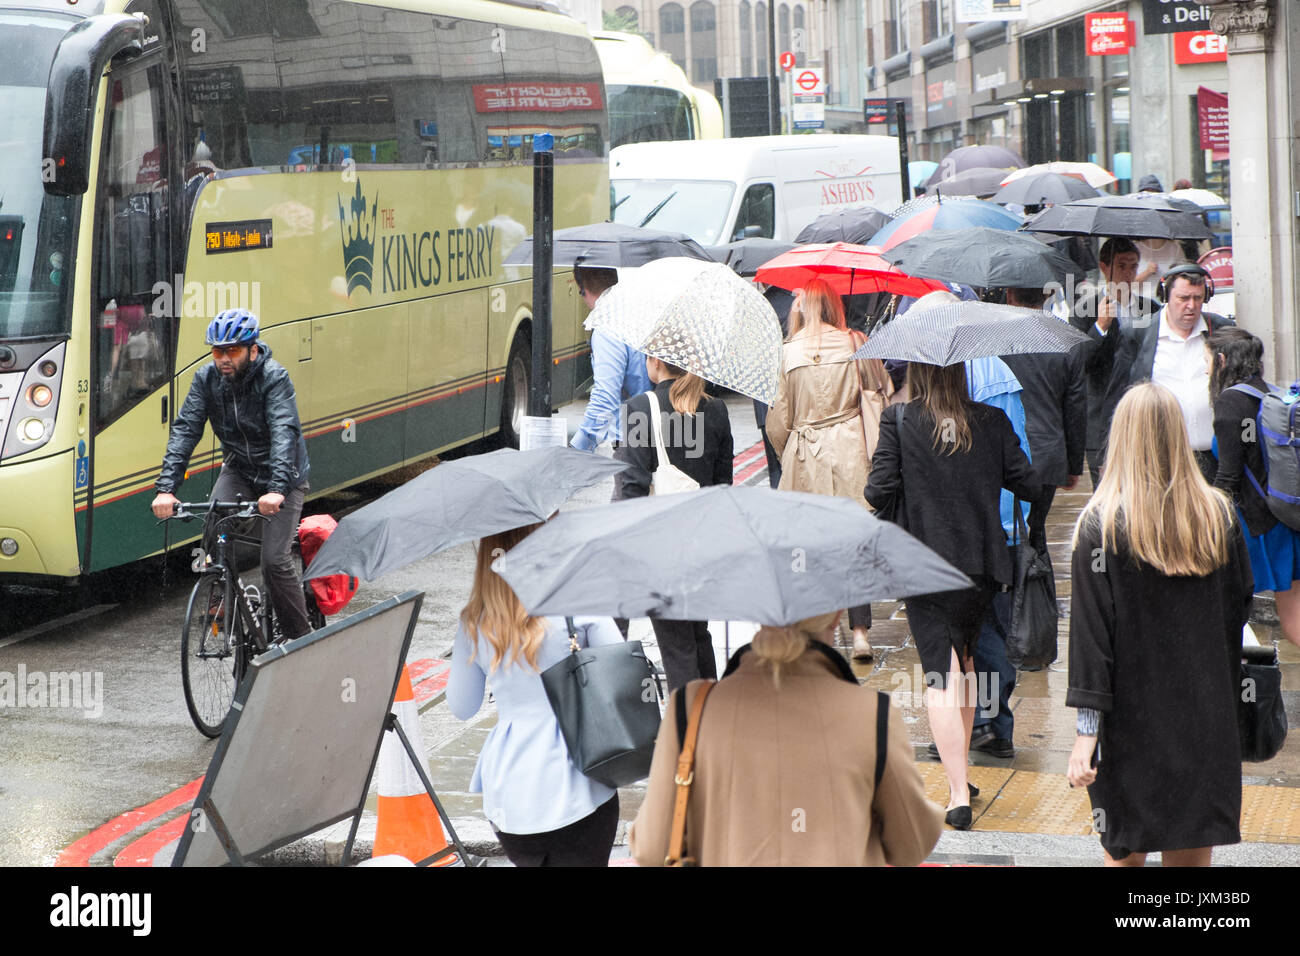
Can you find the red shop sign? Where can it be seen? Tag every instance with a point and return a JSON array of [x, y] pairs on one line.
[[1108, 33], [1204, 46], [1212, 119]]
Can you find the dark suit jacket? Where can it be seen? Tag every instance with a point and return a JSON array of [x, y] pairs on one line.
[[1135, 357], [951, 502], [1099, 359], [1056, 410]]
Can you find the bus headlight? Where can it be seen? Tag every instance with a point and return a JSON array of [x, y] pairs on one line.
[[31, 430], [48, 368], [39, 395], [8, 547]]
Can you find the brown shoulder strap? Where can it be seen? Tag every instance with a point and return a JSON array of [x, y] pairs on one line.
[[684, 778]]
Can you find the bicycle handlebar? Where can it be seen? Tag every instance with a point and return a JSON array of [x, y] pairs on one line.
[[189, 510]]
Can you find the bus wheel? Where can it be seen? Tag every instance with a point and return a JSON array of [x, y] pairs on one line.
[[514, 398]]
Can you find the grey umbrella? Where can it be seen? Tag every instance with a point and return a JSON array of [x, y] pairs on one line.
[[983, 257], [611, 245], [966, 157], [1137, 217], [948, 334], [723, 553], [981, 181], [458, 501], [1043, 188], [746, 255], [845, 225]]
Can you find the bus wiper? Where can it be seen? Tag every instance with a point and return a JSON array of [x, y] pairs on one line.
[[655, 211], [619, 203]]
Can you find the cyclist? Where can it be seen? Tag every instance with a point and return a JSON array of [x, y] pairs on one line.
[[249, 399]]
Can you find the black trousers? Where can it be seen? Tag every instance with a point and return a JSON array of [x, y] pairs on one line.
[[687, 650], [773, 462], [586, 842], [860, 616]]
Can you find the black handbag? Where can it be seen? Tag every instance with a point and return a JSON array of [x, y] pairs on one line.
[[606, 700], [1261, 716], [1031, 640]]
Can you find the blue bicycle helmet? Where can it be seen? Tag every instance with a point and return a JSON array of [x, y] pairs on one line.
[[233, 327]]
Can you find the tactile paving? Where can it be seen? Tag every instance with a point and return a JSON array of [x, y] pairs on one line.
[[1270, 814]]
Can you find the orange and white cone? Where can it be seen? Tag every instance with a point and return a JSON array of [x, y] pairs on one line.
[[408, 821]]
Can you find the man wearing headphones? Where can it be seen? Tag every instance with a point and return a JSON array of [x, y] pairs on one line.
[[1168, 349]]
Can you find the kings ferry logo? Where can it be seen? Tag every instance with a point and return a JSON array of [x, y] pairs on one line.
[[358, 237]]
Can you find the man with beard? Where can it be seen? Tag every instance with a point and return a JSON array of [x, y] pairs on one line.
[[250, 401]]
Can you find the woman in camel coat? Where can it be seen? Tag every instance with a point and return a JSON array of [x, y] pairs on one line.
[[785, 767], [816, 424]]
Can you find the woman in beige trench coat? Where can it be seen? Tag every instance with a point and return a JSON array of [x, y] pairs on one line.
[[816, 424], [785, 767]]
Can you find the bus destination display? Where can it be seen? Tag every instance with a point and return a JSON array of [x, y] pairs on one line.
[[238, 236]]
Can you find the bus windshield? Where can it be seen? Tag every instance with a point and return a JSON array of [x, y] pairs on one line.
[[648, 114], [698, 209], [36, 230]]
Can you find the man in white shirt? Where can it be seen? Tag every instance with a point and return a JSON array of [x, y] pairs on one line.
[[1171, 352]]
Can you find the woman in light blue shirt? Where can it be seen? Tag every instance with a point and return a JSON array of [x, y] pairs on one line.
[[545, 811]]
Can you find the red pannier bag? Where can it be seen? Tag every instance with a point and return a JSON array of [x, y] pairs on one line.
[[334, 592]]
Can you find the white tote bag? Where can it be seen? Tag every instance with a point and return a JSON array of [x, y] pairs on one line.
[[668, 479]]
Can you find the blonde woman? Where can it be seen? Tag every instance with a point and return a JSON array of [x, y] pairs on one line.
[[815, 424], [950, 457], [697, 439], [785, 767], [1161, 589], [544, 810]]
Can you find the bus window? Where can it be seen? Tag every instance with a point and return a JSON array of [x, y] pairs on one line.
[[553, 84], [403, 65], [131, 343], [757, 215]]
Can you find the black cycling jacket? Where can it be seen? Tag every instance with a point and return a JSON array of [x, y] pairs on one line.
[[256, 421]]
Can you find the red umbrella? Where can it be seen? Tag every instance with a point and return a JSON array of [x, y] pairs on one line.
[[850, 270]]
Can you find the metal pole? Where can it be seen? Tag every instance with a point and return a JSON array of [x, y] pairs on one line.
[[773, 96], [539, 393], [904, 176]]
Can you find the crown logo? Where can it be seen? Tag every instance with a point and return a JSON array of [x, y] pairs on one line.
[[358, 237]]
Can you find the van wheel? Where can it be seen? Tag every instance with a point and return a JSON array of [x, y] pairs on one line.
[[514, 397]]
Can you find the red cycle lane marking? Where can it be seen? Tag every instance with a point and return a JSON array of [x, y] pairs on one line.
[[79, 853], [142, 851], [749, 454], [750, 470]]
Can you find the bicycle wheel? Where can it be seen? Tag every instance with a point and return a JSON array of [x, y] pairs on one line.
[[211, 668]]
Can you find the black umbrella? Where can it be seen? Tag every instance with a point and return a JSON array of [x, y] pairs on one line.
[[611, 245], [723, 553], [979, 181], [967, 157], [1043, 188], [961, 331], [457, 501], [845, 225], [1138, 217], [983, 257], [746, 255]]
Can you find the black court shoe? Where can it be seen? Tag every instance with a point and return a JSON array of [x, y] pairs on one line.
[[959, 818]]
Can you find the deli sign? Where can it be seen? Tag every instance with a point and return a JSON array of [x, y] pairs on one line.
[[1108, 33], [1204, 46]]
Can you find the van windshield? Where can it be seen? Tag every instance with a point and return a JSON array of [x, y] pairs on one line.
[[698, 209], [36, 229]]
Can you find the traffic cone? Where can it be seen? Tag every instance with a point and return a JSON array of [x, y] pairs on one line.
[[408, 822]]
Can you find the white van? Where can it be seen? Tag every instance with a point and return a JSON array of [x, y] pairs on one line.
[[720, 190]]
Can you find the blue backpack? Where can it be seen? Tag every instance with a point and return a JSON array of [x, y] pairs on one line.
[[1276, 426]]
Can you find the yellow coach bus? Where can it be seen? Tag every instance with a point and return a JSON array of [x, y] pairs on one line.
[[650, 98], [354, 172]]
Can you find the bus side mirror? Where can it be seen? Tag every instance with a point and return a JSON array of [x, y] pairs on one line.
[[79, 61]]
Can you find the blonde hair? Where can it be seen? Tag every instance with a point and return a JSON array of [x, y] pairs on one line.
[[778, 646], [942, 391], [1153, 495], [495, 612], [816, 305], [687, 391]]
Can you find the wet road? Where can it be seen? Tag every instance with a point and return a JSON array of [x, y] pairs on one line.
[[75, 753]]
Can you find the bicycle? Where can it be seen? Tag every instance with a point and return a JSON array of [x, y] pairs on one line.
[[227, 622]]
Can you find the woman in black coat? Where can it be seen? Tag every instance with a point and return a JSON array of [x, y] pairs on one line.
[[949, 458], [1236, 388], [697, 439], [1161, 589]]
